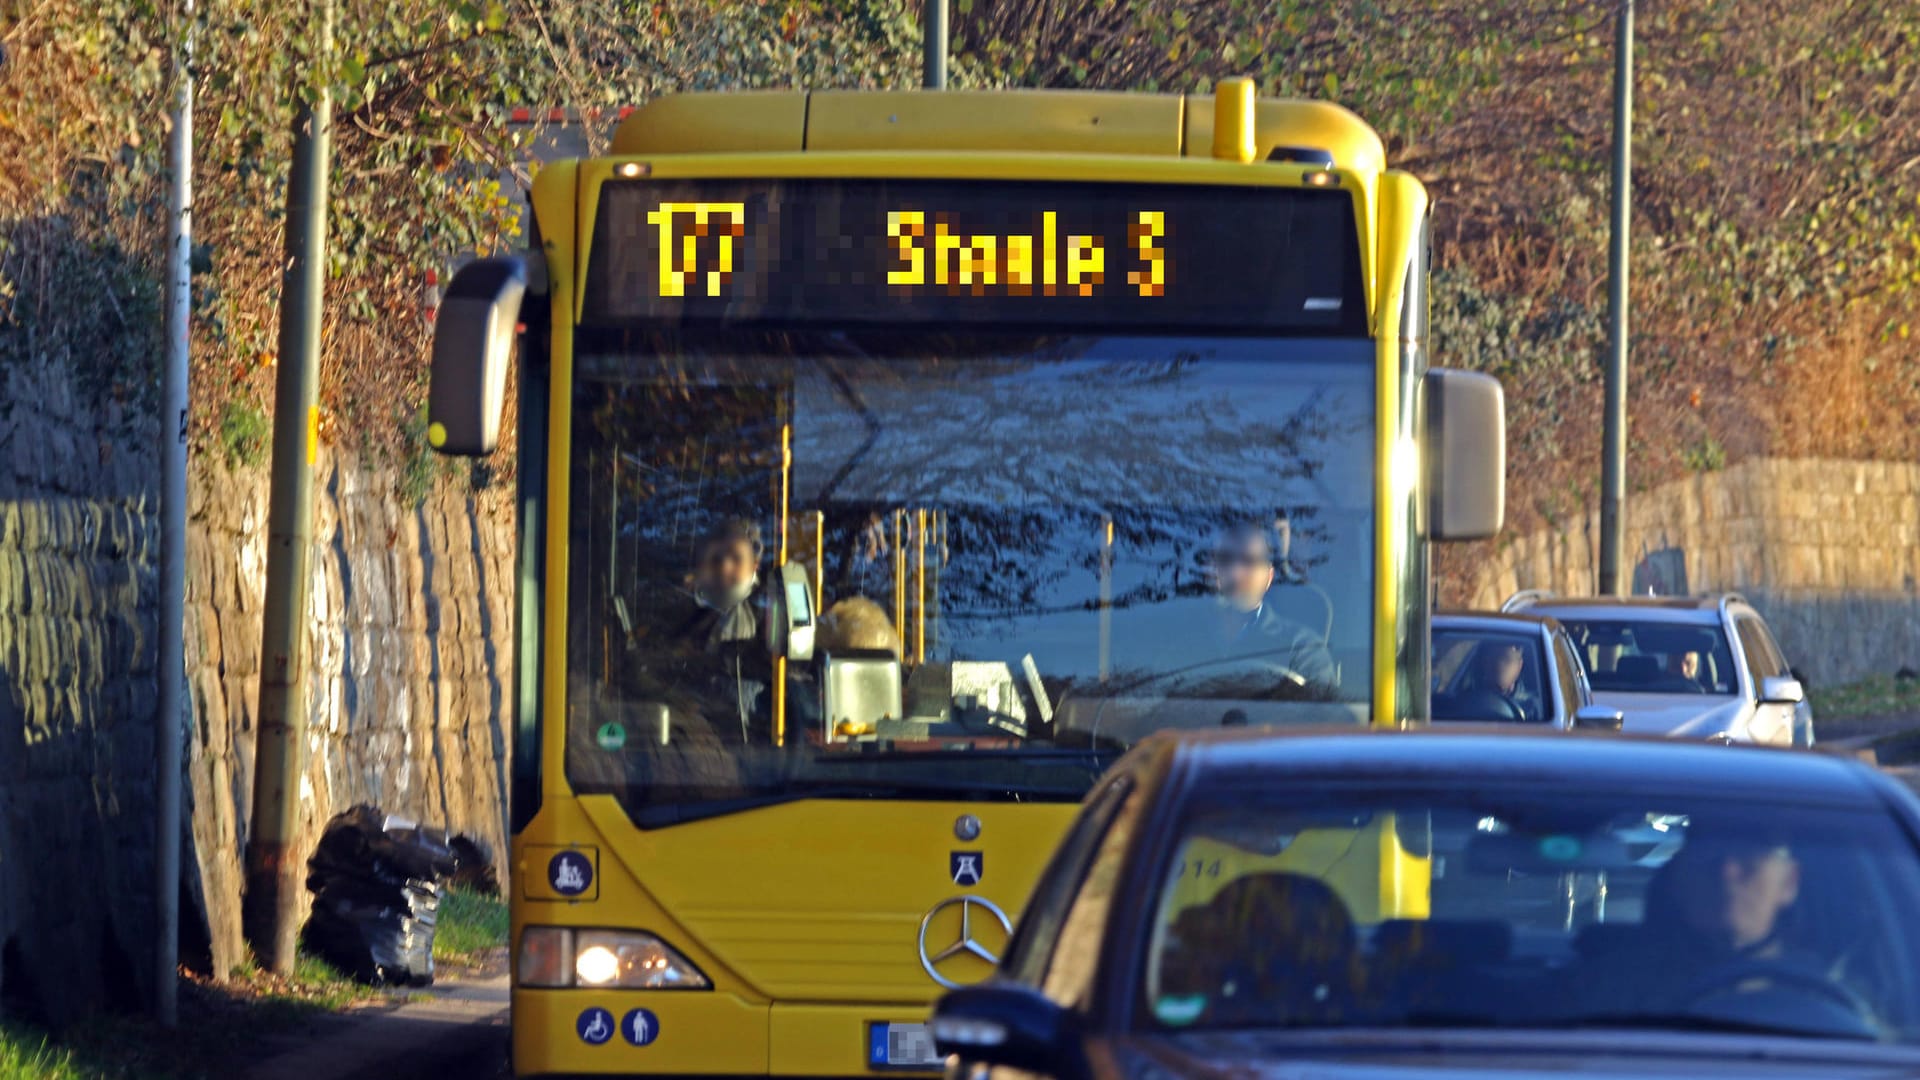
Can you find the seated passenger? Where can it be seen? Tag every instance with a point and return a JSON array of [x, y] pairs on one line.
[[1270, 948], [856, 624], [1243, 571], [724, 660], [726, 571], [1686, 665]]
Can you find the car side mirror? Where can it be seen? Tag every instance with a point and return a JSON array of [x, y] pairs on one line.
[[1781, 690], [472, 342], [1599, 718], [1465, 455], [1008, 1025]]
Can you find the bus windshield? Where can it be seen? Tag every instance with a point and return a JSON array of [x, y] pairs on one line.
[[820, 564]]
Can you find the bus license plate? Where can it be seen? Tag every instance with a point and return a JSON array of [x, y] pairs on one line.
[[902, 1046]]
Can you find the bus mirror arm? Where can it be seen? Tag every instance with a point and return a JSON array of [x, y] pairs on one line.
[[472, 344], [1465, 455]]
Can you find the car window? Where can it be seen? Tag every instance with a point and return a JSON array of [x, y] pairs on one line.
[[1490, 675], [1772, 645], [1762, 661], [1647, 656], [1074, 958], [1573, 681], [1548, 908], [1032, 943]]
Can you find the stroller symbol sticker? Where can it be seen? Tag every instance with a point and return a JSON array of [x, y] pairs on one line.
[[640, 1027], [595, 1026], [569, 873]]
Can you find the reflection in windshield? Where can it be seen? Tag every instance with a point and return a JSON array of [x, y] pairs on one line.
[[1546, 910], [791, 548]]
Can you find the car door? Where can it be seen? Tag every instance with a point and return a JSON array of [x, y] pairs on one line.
[[1771, 723]]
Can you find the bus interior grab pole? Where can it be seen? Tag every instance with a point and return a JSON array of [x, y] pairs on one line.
[[273, 879], [936, 45], [1613, 465]]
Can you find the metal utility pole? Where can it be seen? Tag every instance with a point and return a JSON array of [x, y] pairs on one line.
[[1613, 465], [936, 45], [273, 866], [167, 733]]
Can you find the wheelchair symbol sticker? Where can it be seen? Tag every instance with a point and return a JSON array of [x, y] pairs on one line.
[[595, 1026], [569, 873], [640, 1027]]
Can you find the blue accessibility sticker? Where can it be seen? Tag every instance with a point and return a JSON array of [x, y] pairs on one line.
[[595, 1026], [640, 1027], [570, 873]]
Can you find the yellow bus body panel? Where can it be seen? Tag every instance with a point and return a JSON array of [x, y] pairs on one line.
[[799, 914]]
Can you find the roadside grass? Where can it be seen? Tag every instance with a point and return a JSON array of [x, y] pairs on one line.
[[471, 928], [1872, 697], [221, 1026], [25, 1053]]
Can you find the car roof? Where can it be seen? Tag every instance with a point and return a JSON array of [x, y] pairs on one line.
[[1703, 602], [1492, 620], [1676, 609], [1470, 756]]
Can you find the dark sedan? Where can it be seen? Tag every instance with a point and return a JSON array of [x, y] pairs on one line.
[[1221, 908]]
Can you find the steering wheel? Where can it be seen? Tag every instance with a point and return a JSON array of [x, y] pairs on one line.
[[1263, 668], [1812, 983]]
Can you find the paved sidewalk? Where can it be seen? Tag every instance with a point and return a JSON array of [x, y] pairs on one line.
[[461, 1031]]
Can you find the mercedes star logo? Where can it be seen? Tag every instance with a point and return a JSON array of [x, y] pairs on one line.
[[967, 944]]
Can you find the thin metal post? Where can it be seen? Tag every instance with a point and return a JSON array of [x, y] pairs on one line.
[[1613, 464], [936, 45], [273, 866], [173, 542]]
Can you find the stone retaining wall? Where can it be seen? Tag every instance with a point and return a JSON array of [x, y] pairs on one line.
[[410, 653], [1829, 551]]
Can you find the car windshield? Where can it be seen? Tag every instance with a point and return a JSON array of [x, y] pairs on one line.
[[1490, 675], [1544, 909], [1655, 657], [835, 564]]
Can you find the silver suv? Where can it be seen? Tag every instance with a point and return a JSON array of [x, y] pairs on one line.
[[1702, 667]]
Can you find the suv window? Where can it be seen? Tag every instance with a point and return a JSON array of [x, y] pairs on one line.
[[1763, 661], [1653, 656]]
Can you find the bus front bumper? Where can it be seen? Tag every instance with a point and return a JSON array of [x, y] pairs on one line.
[[682, 1033]]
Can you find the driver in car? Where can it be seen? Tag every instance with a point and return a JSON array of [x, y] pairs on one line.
[[1497, 693], [1243, 572], [1713, 927]]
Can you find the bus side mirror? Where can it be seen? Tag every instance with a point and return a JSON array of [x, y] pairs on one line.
[[472, 342], [1466, 455]]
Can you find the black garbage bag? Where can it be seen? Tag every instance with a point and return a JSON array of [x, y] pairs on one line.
[[377, 880]]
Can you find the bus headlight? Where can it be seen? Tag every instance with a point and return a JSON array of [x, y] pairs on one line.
[[558, 957]]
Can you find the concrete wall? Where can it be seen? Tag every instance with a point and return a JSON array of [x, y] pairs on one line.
[[410, 653], [1829, 551]]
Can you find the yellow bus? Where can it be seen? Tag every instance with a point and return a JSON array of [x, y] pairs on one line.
[[888, 464]]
